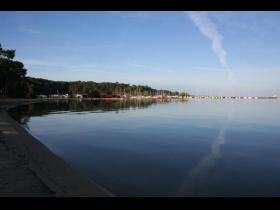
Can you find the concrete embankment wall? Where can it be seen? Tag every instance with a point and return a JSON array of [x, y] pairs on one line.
[[54, 172]]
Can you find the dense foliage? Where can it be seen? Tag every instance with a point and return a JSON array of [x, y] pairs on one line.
[[12, 76], [93, 89], [14, 83]]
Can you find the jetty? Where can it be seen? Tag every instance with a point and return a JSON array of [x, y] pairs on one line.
[[232, 97]]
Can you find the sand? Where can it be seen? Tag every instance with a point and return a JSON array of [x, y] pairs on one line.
[[28, 168]]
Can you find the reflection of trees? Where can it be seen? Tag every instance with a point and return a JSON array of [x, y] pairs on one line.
[[23, 113]]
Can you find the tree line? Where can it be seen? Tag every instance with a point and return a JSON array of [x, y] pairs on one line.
[[93, 89], [14, 83], [12, 76]]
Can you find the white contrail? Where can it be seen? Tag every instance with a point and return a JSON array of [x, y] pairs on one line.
[[199, 172], [208, 28]]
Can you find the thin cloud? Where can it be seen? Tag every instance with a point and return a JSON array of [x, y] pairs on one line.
[[134, 14], [26, 29], [206, 68], [156, 69], [33, 31], [33, 62], [209, 29], [137, 65]]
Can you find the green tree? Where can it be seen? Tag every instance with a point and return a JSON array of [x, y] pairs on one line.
[[12, 75], [183, 94]]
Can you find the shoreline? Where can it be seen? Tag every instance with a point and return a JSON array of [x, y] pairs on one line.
[[48, 174]]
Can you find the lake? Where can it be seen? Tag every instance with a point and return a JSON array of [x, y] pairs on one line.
[[165, 148]]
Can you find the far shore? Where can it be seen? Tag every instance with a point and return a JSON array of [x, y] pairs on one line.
[[28, 168]]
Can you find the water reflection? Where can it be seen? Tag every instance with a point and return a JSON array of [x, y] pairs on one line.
[[22, 114], [165, 148], [189, 186]]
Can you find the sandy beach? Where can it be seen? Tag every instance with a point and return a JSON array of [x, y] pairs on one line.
[[28, 168]]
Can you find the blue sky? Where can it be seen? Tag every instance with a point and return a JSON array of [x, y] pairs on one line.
[[201, 52]]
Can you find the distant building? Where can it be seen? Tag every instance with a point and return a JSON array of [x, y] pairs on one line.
[[79, 96], [59, 96], [41, 96], [65, 96]]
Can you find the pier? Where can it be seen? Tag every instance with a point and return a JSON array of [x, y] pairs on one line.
[[232, 97]]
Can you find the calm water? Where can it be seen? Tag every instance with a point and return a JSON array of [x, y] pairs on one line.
[[150, 148]]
